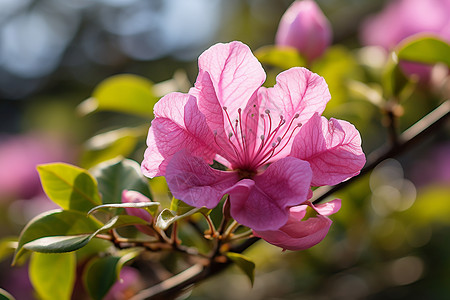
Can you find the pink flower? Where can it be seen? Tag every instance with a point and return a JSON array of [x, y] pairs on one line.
[[304, 27], [136, 197], [273, 141], [404, 18], [299, 234]]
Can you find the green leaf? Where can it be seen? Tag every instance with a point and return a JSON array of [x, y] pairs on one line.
[[112, 144], [55, 223], [101, 273], [394, 80], [115, 176], [70, 187], [179, 206], [167, 217], [61, 244], [425, 49], [7, 246], [151, 205], [281, 57], [244, 263], [53, 275], [125, 93], [4, 295]]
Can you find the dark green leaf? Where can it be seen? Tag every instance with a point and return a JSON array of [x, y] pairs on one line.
[[115, 176], [4, 295], [55, 223], [244, 263], [125, 93], [53, 275], [101, 273], [61, 244], [394, 81], [425, 49], [68, 186]]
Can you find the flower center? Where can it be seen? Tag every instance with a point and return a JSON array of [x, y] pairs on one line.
[[252, 152]]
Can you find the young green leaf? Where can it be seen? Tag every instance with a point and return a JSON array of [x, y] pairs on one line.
[[117, 175], [167, 217], [425, 49], [151, 205], [125, 93], [70, 187], [244, 263], [53, 275], [61, 244], [55, 223]]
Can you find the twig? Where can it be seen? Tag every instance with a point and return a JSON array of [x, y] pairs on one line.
[[411, 136]]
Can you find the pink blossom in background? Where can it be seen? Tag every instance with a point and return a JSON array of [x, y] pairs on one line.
[[136, 197], [273, 141], [19, 156], [403, 18], [299, 234], [129, 284], [304, 27]]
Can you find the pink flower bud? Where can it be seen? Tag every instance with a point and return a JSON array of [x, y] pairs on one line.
[[304, 27], [299, 234], [136, 197]]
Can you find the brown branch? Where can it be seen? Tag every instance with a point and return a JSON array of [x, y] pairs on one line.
[[410, 137]]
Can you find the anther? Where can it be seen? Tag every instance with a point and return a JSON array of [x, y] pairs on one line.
[[279, 139], [267, 111], [215, 132], [262, 137], [296, 116], [299, 124], [239, 110], [230, 134], [225, 108], [274, 145]]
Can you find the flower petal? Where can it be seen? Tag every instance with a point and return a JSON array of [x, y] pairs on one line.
[[333, 148], [234, 72], [263, 203], [328, 208], [298, 235], [297, 91], [178, 124], [193, 181]]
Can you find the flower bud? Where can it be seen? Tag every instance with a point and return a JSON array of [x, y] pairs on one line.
[[300, 233], [304, 27], [136, 197]]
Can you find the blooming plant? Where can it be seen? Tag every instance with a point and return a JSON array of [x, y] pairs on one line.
[[227, 163], [272, 141]]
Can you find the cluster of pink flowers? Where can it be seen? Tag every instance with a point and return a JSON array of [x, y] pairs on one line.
[[273, 142]]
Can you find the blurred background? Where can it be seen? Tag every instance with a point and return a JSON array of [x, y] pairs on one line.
[[391, 239]]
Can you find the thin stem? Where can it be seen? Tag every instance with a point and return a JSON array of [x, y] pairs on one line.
[[212, 228], [230, 229]]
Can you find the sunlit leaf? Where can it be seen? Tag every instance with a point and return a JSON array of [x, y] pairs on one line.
[[111, 144], [167, 217], [68, 186], [281, 57], [394, 80], [53, 275], [115, 176], [244, 263], [124, 205], [125, 93], [55, 223], [101, 273], [61, 244], [425, 49], [7, 246]]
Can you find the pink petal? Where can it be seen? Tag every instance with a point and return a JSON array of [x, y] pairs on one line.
[[178, 124], [263, 203], [193, 181], [235, 74], [333, 148], [328, 208], [298, 91]]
